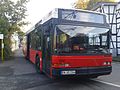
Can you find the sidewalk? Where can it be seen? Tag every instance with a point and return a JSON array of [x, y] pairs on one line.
[[19, 74], [17, 66]]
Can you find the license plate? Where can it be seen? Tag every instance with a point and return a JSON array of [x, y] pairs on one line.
[[68, 72]]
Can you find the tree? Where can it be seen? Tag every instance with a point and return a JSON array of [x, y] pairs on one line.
[[81, 4], [93, 2], [88, 4], [11, 20]]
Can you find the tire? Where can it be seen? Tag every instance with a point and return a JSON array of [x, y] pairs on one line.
[[26, 58], [37, 64]]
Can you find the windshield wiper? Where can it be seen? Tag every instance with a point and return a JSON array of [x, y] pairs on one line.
[[72, 13]]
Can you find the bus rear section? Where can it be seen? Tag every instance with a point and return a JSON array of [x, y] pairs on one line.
[[71, 43]]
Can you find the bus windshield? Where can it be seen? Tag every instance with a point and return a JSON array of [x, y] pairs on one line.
[[80, 39]]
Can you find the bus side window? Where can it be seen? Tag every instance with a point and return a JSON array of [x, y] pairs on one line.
[[30, 41], [48, 42], [38, 39], [33, 43]]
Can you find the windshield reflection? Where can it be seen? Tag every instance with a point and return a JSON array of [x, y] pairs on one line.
[[70, 40]]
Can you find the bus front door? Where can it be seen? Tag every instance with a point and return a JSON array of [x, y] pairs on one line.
[[46, 53]]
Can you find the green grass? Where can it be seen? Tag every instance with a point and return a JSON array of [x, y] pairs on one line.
[[116, 58]]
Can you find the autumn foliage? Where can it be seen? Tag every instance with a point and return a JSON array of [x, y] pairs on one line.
[[88, 4]]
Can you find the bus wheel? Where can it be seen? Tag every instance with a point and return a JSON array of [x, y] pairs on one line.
[[37, 64]]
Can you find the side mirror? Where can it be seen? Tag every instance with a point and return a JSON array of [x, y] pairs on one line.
[[55, 50]]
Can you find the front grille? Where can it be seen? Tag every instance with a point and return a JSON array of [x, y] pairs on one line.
[[85, 71]]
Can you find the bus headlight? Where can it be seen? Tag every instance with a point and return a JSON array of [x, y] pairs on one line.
[[64, 65], [107, 63], [61, 65]]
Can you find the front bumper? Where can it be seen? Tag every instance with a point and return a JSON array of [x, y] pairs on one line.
[[97, 71]]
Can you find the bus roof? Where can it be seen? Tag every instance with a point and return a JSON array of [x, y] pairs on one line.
[[55, 13], [73, 15]]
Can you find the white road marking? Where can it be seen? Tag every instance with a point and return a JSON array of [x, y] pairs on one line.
[[112, 84]]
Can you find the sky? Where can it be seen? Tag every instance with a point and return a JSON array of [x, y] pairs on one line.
[[117, 0], [37, 9]]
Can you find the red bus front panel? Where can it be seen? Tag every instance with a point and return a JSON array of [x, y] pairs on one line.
[[81, 61], [95, 65]]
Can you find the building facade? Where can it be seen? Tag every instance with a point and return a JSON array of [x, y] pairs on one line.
[[112, 11]]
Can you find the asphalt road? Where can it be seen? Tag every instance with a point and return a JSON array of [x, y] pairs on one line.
[[19, 74]]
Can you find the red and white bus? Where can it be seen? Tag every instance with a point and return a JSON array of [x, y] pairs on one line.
[[70, 42]]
